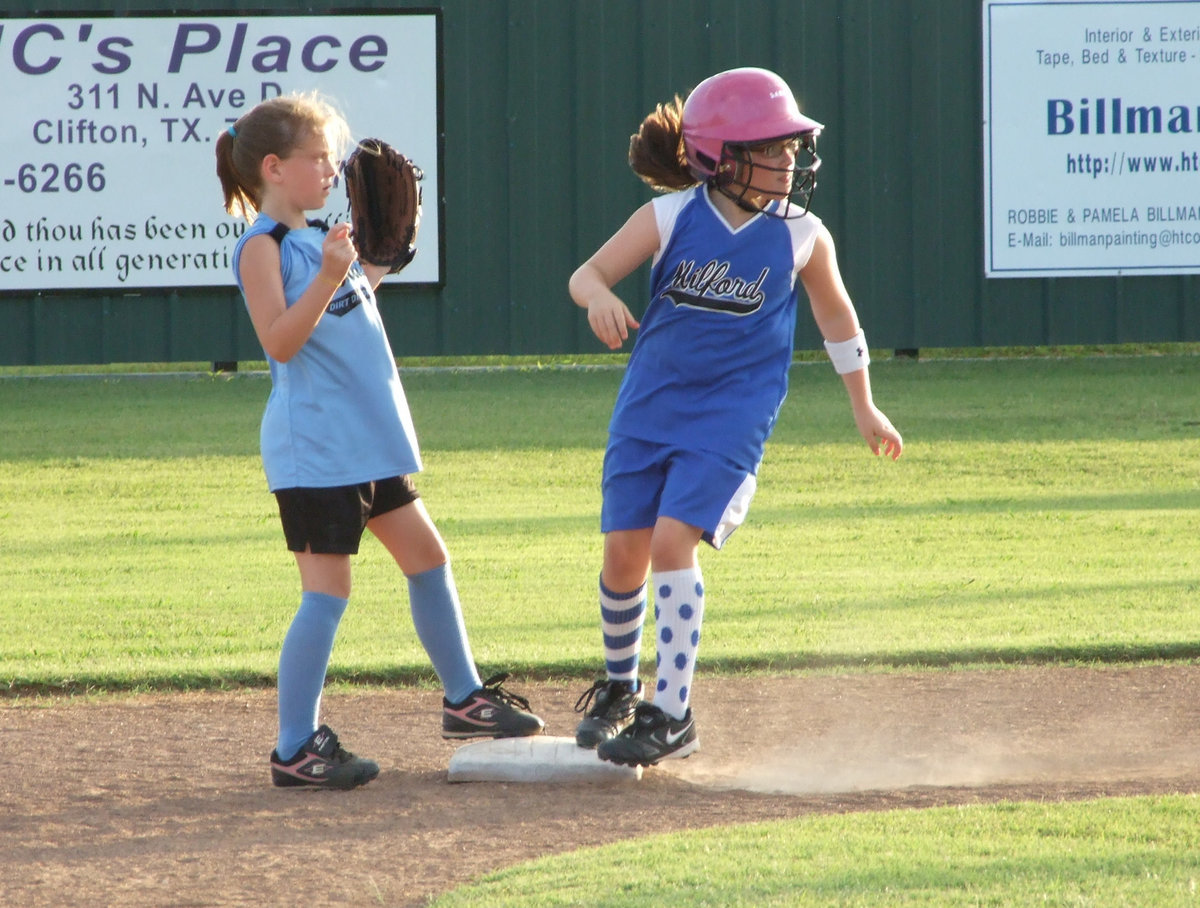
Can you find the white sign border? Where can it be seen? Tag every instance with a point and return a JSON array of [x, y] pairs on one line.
[[431, 240]]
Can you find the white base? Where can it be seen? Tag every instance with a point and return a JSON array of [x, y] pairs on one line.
[[539, 758]]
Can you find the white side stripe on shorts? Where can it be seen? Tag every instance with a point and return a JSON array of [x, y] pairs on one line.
[[735, 511]]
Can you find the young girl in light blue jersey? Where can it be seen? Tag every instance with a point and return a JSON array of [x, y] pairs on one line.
[[706, 376], [337, 440]]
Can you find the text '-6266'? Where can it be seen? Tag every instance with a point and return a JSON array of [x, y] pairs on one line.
[[58, 178]]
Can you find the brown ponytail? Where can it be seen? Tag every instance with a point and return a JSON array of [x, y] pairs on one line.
[[656, 149], [240, 194]]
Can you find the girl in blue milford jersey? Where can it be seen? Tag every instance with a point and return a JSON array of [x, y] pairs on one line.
[[338, 445], [706, 376]]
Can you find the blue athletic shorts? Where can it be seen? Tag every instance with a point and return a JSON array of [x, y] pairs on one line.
[[645, 480]]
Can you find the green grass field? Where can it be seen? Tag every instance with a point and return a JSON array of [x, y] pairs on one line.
[[1045, 510], [1130, 852]]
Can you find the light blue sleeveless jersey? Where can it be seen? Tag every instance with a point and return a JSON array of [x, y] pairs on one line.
[[336, 414], [709, 369]]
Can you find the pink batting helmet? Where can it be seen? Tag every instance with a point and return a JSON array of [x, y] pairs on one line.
[[728, 113], [738, 107]]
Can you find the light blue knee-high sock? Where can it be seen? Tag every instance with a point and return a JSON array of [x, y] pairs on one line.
[[303, 661], [437, 617]]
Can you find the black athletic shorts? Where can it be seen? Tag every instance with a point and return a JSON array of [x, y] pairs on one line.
[[331, 521]]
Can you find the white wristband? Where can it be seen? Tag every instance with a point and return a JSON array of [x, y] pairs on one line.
[[849, 355]]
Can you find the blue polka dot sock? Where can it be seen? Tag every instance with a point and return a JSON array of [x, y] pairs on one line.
[[678, 613], [303, 661], [621, 618]]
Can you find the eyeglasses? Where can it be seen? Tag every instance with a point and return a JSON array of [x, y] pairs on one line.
[[802, 150], [778, 148]]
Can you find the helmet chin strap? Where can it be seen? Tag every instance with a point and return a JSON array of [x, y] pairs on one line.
[[740, 199]]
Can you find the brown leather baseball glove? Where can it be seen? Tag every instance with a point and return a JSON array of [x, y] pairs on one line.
[[384, 190]]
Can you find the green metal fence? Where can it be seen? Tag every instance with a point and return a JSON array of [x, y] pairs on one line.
[[540, 97]]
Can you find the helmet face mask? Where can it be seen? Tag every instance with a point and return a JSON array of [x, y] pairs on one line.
[[733, 122], [748, 181]]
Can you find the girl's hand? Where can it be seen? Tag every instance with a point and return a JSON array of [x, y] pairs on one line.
[[337, 253], [878, 431], [591, 284], [610, 319]]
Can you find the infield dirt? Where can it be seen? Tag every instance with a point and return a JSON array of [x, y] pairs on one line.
[[166, 799]]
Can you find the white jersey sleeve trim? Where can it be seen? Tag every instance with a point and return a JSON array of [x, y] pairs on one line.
[[804, 232], [666, 211]]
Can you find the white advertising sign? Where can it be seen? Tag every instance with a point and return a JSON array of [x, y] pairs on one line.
[[107, 163], [1091, 135]]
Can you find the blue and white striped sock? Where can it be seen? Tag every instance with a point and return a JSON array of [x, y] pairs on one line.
[[679, 612], [621, 619]]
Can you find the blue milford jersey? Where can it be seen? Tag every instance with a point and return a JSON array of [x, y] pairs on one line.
[[709, 369], [336, 414]]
